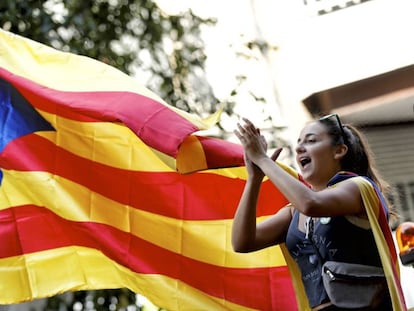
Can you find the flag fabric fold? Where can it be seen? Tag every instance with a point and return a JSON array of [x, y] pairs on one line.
[[375, 206], [104, 185]]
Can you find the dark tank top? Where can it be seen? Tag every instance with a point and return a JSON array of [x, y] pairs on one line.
[[337, 239]]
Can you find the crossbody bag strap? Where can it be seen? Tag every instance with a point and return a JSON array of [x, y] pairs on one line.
[[310, 224]]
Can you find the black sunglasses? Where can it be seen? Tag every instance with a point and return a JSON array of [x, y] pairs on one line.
[[339, 124]]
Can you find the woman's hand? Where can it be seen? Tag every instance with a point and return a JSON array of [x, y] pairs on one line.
[[254, 144], [255, 147], [252, 169]]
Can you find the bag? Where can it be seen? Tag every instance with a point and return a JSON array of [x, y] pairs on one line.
[[353, 285]]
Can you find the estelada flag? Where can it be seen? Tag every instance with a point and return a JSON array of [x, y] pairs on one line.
[[104, 185]]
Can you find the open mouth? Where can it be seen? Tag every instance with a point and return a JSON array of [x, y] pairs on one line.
[[304, 161]]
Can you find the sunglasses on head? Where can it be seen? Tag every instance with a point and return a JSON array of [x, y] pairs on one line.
[[339, 124]]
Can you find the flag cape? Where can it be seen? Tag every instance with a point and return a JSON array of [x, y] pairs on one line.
[[104, 185], [374, 206], [376, 210]]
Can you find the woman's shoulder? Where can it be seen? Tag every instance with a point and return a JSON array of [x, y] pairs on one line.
[[363, 182], [355, 186], [371, 196]]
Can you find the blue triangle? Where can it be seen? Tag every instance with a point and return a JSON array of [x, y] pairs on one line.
[[17, 116]]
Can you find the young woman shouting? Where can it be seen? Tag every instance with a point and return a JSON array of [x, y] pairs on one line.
[[329, 218]]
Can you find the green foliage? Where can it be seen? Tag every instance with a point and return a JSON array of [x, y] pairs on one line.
[[135, 36], [98, 300]]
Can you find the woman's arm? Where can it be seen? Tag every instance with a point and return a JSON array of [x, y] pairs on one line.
[[345, 199], [247, 235]]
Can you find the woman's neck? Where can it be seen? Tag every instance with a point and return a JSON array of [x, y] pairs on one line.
[[323, 184]]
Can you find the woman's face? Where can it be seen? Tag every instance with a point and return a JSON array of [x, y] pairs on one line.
[[316, 157]]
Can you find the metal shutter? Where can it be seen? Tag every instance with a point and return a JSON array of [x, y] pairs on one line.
[[393, 148]]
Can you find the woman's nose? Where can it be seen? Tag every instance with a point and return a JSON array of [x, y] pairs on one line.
[[299, 148]]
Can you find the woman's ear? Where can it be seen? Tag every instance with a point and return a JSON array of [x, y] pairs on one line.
[[340, 151]]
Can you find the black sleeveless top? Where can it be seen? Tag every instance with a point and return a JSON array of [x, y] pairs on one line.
[[337, 239]]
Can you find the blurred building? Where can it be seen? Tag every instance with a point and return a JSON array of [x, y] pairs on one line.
[[354, 58]]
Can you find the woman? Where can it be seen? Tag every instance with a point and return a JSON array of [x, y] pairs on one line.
[[326, 219]]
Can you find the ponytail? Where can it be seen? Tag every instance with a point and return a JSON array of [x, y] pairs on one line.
[[359, 158]]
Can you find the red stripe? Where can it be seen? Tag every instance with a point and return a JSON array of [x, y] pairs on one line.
[[383, 222], [39, 229], [156, 124], [194, 196], [220, 154]]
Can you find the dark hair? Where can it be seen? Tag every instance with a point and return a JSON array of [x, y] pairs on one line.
[[359, 158]]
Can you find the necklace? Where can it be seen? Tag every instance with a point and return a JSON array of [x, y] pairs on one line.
[[309, 224]]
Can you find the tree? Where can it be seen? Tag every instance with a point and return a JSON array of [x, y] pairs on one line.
[[165, 52], [135, 36]]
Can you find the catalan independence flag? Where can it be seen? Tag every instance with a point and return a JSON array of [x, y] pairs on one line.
[[104, 185]]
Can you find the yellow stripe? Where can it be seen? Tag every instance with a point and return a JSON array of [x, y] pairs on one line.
[[296, 276], [107, 143], [191, 156], [241, 172], [76, 203], [104, 142], [42, 63], [24, 278], [371, 204], [68, 72]]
